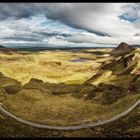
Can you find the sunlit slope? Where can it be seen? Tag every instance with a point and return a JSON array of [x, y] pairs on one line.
[[120, 70], [50, 66]]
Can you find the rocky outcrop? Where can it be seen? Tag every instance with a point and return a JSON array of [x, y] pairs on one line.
[[134, 85], [122, 49], [111, 93], [34, 84], [122, 65], [11, 86]]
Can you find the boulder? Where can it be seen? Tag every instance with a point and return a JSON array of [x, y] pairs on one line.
[[13, 88], [35, 84], [34, 80]]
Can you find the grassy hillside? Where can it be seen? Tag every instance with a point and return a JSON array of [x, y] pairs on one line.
[[125, 127], [49, 88]]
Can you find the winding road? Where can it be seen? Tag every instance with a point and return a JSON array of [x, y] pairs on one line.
[[82, 126]]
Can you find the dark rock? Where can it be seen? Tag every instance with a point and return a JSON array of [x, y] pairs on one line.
[[36, 84], [13, 88], [122, 49], [111, 93], [33, 80], [134, 85]]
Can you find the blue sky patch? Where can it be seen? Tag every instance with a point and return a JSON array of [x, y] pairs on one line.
[[127, 17]]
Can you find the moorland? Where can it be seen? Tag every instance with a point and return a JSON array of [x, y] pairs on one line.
[[70, 88]]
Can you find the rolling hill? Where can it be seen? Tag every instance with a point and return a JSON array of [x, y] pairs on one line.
[[115, 87]]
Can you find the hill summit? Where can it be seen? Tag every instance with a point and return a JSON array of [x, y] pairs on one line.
[[122, 49], [1, 46], [3, 49]]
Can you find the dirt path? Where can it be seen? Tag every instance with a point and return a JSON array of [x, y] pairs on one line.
[[82, 126]]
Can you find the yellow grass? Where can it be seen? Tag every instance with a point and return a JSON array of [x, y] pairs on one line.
[[63, 109], [43, 66], [56, 67]]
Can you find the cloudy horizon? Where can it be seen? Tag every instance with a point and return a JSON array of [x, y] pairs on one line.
[[69, 24]]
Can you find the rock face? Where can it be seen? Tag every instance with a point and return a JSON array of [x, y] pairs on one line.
[[11, 86], [122, 49], [35, 84]]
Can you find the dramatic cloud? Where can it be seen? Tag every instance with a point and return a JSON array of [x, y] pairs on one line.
[[69, 24]]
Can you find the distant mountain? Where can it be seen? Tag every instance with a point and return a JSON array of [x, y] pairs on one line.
[[7, 50], [2, 46], [135, 46], [122, 49], [56, 48]]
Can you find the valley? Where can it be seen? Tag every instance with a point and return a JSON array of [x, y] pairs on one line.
[[67, 88]]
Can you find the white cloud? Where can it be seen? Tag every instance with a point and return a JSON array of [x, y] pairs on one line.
[[41, 23]]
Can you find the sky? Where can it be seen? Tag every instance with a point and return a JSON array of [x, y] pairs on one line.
[[69, 24]]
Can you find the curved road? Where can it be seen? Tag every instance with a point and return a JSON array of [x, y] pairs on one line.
[[82, 126]]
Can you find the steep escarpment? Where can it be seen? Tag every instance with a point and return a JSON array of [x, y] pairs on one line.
[[122, 72]]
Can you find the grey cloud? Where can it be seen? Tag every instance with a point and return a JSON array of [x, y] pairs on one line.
[[97, 18], [54, 34], [74, 14], [19, 10], [92, 17], [68, 13], [35, 36], [20, 38]]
